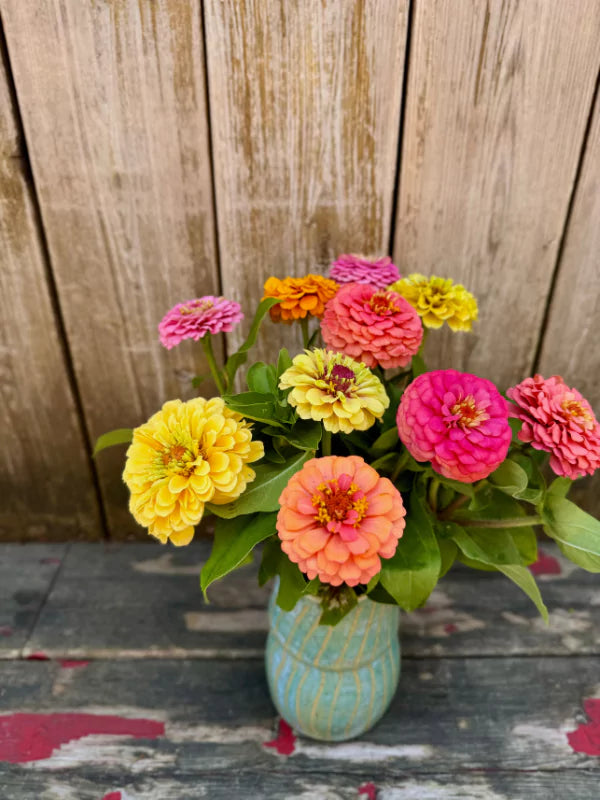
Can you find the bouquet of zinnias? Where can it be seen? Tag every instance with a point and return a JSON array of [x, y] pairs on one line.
[[358, 471]]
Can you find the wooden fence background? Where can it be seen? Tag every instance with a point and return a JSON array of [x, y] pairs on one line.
[[154, 150]]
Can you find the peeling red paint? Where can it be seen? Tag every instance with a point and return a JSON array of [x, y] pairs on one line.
[[545, 565], [67, 663], [285, 741], [112, 796], [34, 737], [38, 657], [369, 789], [50, 561], [586, 739], [450, 627], [6, 630]]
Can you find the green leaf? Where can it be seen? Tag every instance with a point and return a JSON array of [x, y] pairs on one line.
[[379, 595], [523, 578], [411, 574], [199, 379], [258, 406], [587, 561], [264, 491], [386, 462], [234, 540], [384, 443], [515, 426], [448, 552], [304, 434], [337, 602], [417, 366], [284, 361], [519, 477], [292, 584], [118, 436], [261, 378], [573, 528], [456, 486], [269, 564], [560, 487], [235, 360]]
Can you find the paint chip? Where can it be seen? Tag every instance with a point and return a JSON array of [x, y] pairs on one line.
[[67, 663], [545, 565], [586, 739], [6, 630], [112, 796], [37, 657], [285, 741], [369, 789]]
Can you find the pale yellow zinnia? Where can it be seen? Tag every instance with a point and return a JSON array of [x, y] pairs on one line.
[[186, 455], [438, 300], [336, 389]]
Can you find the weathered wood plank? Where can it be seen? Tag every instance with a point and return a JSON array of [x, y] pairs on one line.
[[570, 346], [140, 601], [113, 101], [498, 98], [45, 479], [305, 101], [26, 575], [480, 721]]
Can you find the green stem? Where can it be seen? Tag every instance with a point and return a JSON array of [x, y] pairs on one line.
[[454, 505], [326, 443], [433, 493], [210, 357], [509, 522], [305, 334], [400, 464]]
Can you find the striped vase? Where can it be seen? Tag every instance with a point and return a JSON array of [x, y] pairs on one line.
[[332, 683]]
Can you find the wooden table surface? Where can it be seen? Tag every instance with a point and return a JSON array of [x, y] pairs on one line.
[[118, 683]]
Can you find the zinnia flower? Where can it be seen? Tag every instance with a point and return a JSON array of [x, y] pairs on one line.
[[334, 388], [195, 318], [560, 421], [457, 421], [338, 517], [378, 272], [439, 300], [376, 327], [186, 455], [299, 296]]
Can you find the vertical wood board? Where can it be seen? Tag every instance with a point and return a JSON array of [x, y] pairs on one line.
[[114, 108], [46, 489], [498, 98], [305, 102], [570, 347]]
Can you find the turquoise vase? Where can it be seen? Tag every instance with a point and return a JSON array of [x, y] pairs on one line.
[[332, 683]]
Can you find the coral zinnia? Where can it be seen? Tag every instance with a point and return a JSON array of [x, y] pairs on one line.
[[439, 300], [560, 421], [195, 318], [378, 272], [299, 297], [457, 421], [334, 388], [338, 517], [376, 327], [186, 455]]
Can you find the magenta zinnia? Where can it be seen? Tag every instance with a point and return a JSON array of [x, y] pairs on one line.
[[457, 421], [195, 318], [560, 421], [378, 272]]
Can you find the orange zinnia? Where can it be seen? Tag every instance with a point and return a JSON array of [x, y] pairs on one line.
[[299, 297]]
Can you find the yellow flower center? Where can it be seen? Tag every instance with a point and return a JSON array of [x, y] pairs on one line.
[[197, 309], [469, 415], [382, 303], [178, 460], [576, 409], [334, 503]]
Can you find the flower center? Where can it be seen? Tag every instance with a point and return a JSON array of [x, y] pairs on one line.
[[340, 379], [382, 303], [178, 459], [339, 501], [198, 308], [467, 414], [576, 409]]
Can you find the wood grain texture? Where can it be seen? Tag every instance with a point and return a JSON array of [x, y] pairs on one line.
[[305, 101], [570, 346], [113, 101], [498, 98], [46, 486]]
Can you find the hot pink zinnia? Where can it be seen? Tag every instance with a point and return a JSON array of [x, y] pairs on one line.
[[195, 318], [379, 272], [457, 421], [375, 327], [560, 421]]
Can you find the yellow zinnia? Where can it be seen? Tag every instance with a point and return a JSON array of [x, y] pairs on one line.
[[186, 455], [438, 300], [336, 389]]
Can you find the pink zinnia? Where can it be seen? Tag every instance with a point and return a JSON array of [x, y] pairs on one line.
[[457, 421], [338, 518], [375, 327], [378, 272], [195, 318], [560, 421]]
